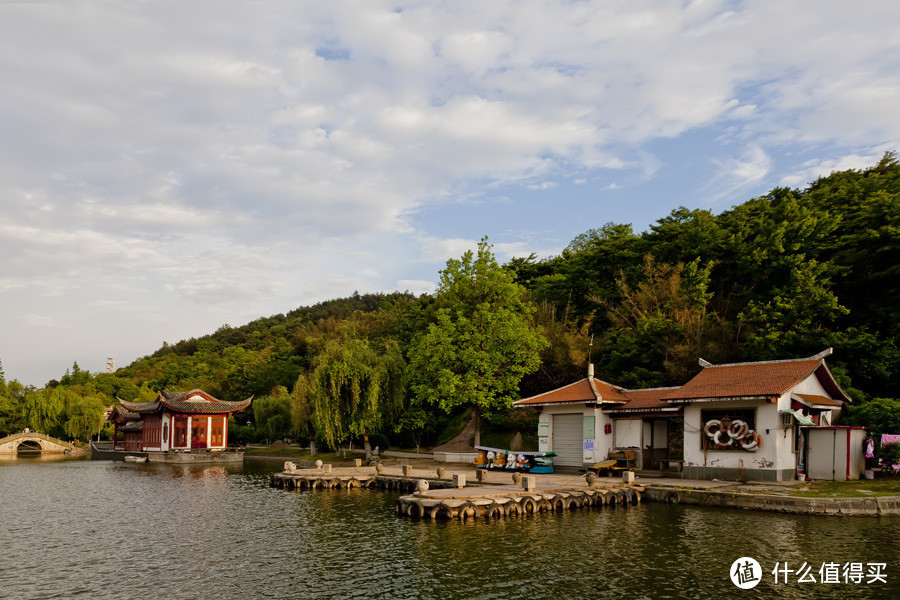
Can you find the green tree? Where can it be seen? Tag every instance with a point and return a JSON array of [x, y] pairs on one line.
[[272, 414], [42, 410], [3, 389], [83, 414], [356, 389], [882, 415], [482, 341]]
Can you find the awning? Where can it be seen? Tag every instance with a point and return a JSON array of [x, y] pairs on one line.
[[799, 416]]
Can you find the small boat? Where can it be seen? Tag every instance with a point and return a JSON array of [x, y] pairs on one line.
[[136, 459]]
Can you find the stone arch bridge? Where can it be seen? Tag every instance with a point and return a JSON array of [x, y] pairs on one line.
[[32, 441]]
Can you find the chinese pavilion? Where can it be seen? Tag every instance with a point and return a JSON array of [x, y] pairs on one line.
[[176, 421]]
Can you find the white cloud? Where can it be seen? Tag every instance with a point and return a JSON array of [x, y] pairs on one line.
[[248, 160], [39, 320], [416, 286], [738, 174], [813, 169]]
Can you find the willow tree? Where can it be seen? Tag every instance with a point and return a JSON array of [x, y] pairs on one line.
[[482, 340], [355, 389]]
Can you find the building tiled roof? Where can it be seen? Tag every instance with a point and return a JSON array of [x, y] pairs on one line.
[[754, 380], [649, 399], [193, 402], [132, 426], [817, 400], [585, 391]]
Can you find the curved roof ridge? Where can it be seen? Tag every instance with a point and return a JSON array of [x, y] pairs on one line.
[[654, 389], [820, 356], [710, 365]]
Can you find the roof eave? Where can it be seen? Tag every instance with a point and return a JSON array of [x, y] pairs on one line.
[[717, 399]]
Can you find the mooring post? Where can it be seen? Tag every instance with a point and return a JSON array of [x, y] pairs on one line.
[[357, 462], [326, 468], [459, 480], [529, 483], [628, 477], [407, 470], [481, 475]]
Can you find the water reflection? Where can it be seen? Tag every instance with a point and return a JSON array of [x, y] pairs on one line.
[[111, 530], [42, 457]]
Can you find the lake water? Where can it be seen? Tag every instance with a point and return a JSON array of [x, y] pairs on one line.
[[97, 529]]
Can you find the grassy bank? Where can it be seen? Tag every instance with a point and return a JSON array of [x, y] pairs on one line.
[[861, 488]]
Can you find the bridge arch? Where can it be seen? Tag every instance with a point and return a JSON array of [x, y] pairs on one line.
[[30, 441], [29, 445]]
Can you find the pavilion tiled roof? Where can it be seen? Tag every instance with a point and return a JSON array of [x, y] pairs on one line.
[[192, 402], [585, 391], [126, 414], [768, 379]]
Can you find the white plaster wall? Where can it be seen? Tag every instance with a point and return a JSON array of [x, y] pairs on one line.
[[766, 457], [811, 385], [661, 434], [628, 433]]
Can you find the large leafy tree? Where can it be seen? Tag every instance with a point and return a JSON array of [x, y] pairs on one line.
[[481, 341]]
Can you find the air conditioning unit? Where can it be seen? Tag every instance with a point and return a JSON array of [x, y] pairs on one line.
[[787, 419]]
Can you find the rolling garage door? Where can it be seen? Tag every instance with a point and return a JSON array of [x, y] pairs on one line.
[[567, 442]]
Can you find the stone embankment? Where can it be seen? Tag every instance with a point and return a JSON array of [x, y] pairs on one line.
[[876, 506]]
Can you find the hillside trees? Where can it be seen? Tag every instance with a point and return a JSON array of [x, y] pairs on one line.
[[481, 341], [661, 324]]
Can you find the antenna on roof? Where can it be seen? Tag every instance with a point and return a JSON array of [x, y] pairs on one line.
[[590, 365], [704, 363]]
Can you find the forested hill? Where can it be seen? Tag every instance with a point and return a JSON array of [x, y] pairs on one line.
[[238, 362], [781, 276], [784, 275]]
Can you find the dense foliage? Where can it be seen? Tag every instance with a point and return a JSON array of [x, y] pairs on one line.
[[481, 341], [783, 275]]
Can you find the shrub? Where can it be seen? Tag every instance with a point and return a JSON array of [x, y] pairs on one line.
[[890, 455]]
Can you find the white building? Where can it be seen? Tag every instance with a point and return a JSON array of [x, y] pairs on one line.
[[736, 421], [743, 420], [584, 421]]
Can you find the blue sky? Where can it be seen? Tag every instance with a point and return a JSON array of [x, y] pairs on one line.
[[166, 168]]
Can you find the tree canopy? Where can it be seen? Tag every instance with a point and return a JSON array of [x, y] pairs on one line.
[[481, 341]]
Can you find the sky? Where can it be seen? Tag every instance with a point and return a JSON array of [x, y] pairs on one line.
[[170, 167]]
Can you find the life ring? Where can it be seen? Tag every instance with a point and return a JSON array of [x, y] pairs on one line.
[[751, 441], [738, 430], [718, 443], [709, 425]]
